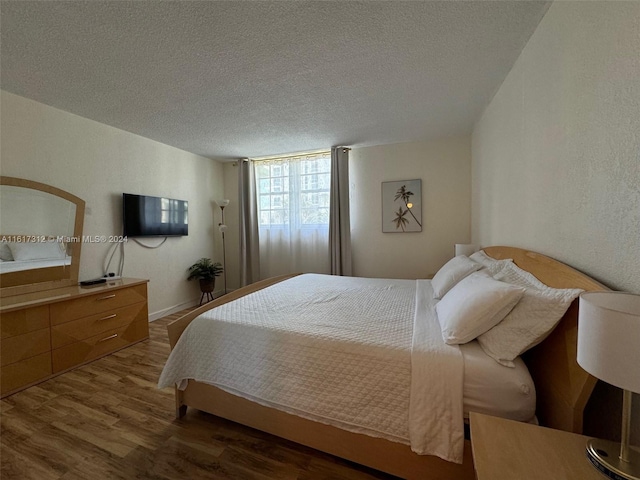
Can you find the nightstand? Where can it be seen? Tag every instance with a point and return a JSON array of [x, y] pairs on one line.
[[508, 450]]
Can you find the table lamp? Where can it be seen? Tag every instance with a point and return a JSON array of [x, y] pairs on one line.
[[465, 249], [609, 349]]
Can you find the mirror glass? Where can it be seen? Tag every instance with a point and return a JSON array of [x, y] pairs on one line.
[[31, 212], [39, 236]]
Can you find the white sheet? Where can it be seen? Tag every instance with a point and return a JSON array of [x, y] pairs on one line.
[[436, 423], [494, 389], [20, 265]]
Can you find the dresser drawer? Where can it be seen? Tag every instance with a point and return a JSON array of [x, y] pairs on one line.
[[100, 302], [23, 373], [21, 347], [77, 330], [24, 321], [98, 345]]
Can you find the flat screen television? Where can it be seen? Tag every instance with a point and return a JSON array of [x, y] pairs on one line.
[[145, 216]]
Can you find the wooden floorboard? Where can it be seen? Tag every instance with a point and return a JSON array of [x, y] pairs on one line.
[[108, 420]]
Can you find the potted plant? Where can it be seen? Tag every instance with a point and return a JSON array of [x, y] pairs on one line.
[[206, 271]]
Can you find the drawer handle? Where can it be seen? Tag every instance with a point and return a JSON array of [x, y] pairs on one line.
[[108, 317], [107, 297], [108, 338]]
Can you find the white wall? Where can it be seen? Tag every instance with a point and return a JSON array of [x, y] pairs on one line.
[[556, 155], [445, 169], [98, 163]]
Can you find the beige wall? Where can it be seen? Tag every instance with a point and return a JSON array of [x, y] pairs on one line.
[[98, 163], [445, 169], [556, 155]]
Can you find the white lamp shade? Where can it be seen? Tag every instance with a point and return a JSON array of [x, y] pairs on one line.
[[223, 203], [609, 338], [465, 249]]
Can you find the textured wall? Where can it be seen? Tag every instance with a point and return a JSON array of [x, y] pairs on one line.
[[556, 155], [98, 163], [445, 169]]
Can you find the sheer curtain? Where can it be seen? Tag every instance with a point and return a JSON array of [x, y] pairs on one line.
[[293, 214]]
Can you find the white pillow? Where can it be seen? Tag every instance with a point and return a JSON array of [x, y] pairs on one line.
[[492, 265], [5, 251], [451, 273], [531, 320], [37, 251], [475, 305]]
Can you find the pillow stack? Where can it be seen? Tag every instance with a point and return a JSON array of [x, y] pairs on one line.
[[473, 306], [530, 321], [506, 308], [492, 265], [451, 273]]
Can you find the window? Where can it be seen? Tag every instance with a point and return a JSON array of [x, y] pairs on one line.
[[293, 213], [293, 192]]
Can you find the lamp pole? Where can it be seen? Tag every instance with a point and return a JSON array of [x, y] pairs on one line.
[[222, 228]]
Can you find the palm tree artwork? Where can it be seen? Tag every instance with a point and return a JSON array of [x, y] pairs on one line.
[[405, 195], [400, 220], [402, 206]]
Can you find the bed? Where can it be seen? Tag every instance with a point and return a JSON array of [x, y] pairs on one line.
[[562, 387]]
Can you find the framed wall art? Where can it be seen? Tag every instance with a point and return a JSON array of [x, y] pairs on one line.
[[402, 206]]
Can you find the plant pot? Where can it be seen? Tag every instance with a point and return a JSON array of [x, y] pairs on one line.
[[207, 285]]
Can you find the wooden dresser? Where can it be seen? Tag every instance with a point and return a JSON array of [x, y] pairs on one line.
[[47, 333]]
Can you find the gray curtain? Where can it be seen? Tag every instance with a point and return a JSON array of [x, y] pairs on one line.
[[249, 243], [339, 224]]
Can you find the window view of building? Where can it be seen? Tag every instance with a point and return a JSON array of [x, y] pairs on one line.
[[294, 191]]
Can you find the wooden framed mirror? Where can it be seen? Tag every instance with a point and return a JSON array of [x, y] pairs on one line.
[[40, 236]]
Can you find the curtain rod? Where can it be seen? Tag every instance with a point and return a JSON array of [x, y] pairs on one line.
[[311, 153], [292, 155]]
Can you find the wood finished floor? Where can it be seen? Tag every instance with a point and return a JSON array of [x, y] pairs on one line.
[[107, 420]]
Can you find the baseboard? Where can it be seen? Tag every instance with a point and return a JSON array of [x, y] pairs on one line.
[[176, 308], [181, 306]]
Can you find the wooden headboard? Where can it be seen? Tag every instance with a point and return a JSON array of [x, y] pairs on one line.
[[562, 386]]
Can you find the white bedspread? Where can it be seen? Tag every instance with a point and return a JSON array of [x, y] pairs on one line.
[[338, 350]]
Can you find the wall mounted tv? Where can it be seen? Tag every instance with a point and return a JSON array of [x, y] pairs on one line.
[[145, 216]]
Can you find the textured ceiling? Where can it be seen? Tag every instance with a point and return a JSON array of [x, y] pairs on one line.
[[252, 78]]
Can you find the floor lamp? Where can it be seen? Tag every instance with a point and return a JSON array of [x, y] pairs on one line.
[[223, 228]]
